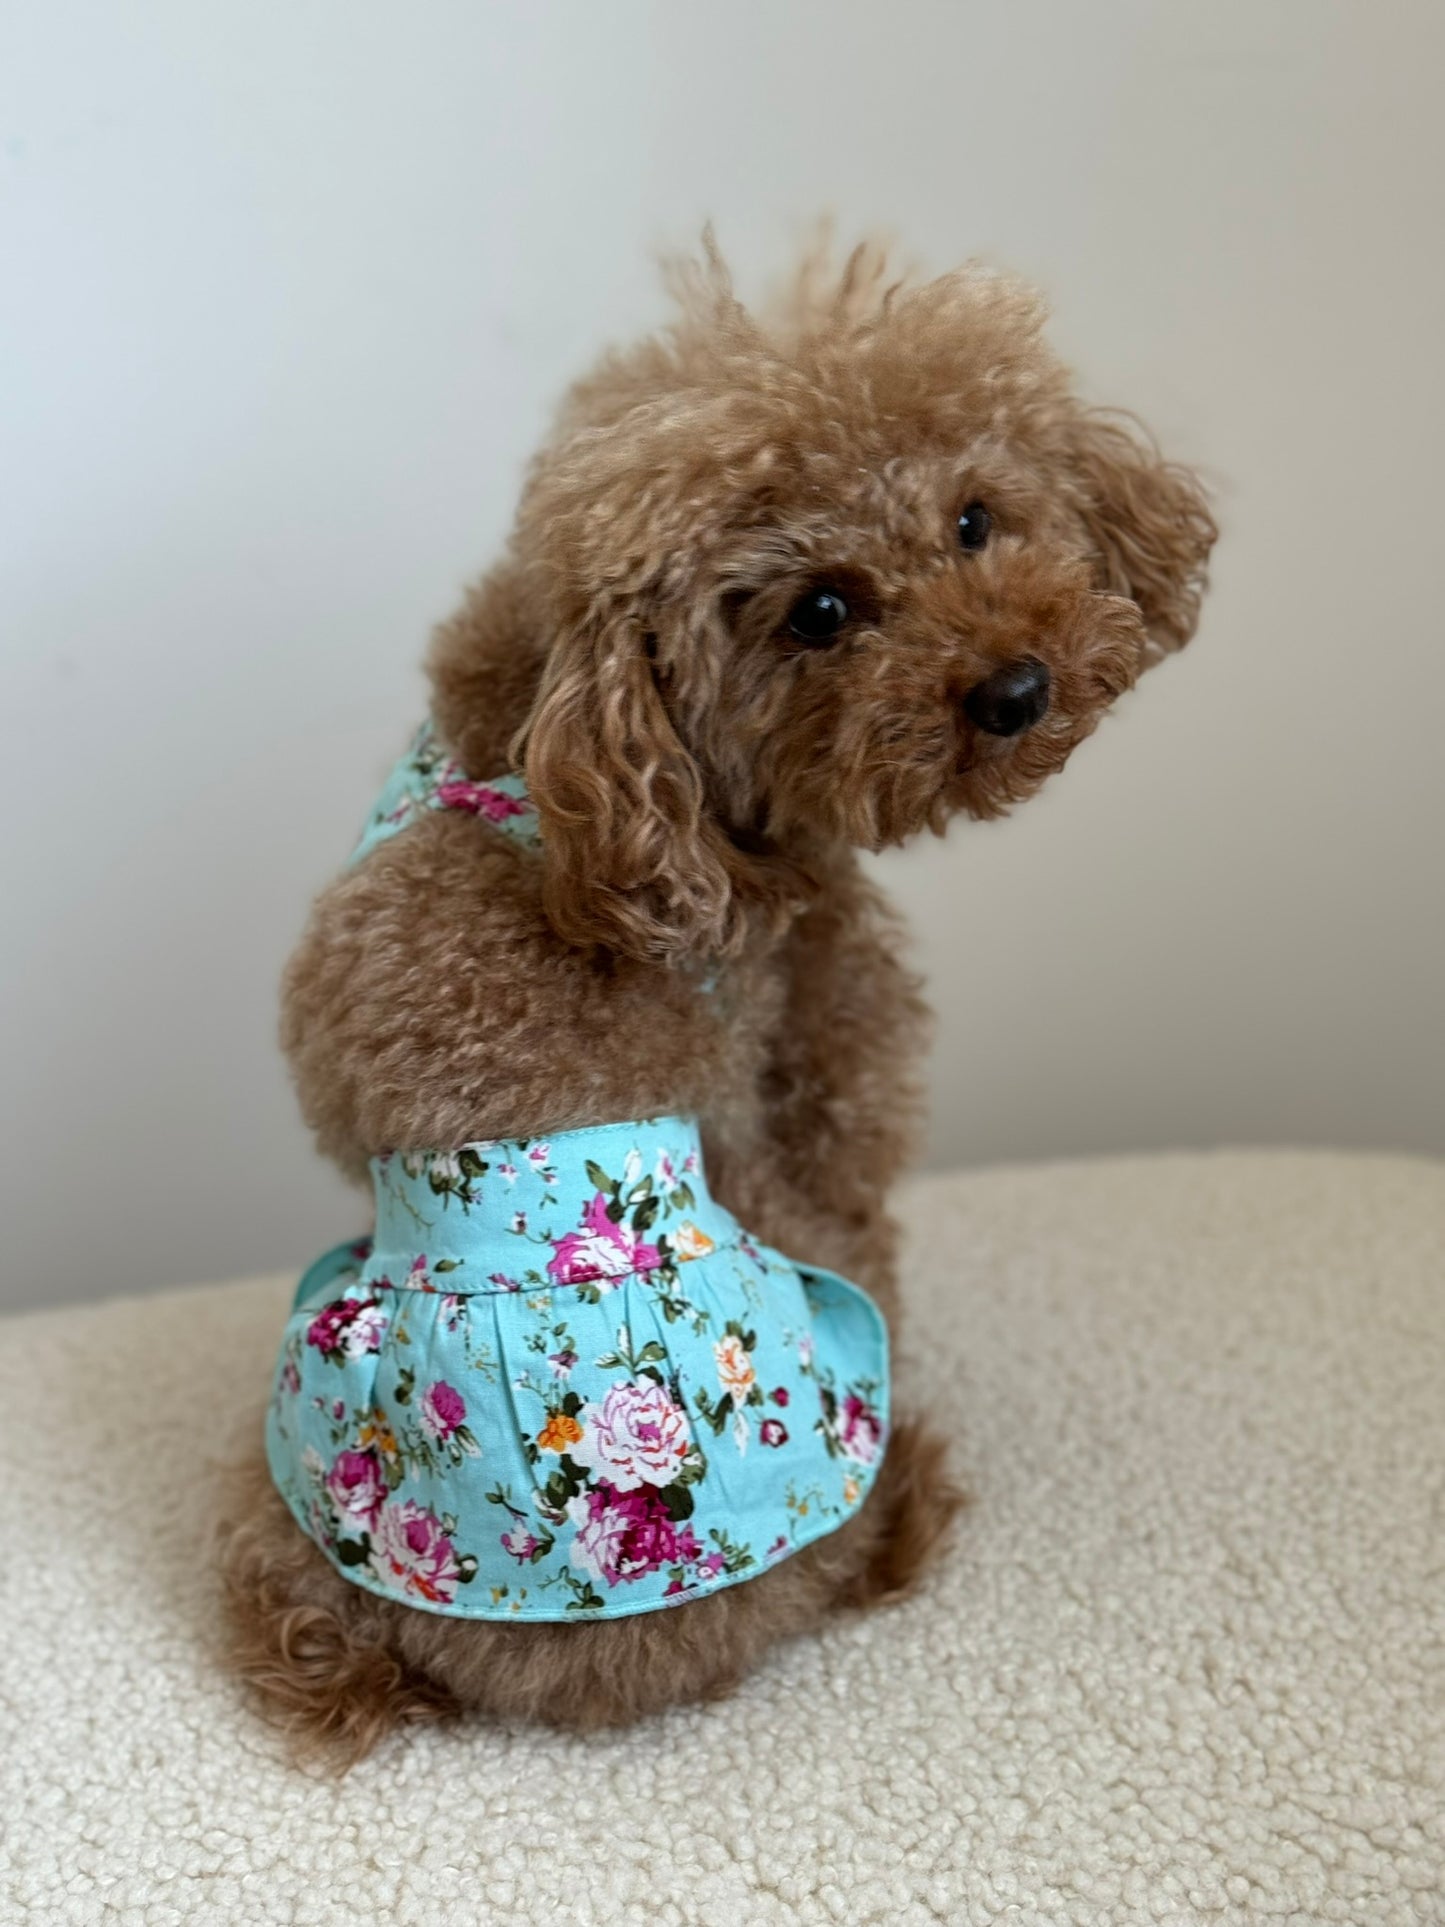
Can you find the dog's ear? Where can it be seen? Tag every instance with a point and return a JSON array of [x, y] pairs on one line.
[[1148, 522], [632, 858]]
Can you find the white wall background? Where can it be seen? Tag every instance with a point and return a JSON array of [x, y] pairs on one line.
[[286, 291]]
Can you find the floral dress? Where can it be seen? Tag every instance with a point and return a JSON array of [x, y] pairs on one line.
[[560, 1380]]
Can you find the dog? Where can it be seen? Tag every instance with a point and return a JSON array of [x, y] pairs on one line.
[[781, 588]]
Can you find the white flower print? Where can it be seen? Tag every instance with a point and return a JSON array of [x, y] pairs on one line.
[[636, 1436], [734, 1367], [365, 1332], [689, 1242]]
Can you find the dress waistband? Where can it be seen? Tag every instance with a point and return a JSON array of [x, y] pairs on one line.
[[581, 1208]]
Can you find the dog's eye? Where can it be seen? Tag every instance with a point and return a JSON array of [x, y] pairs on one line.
[[818, 616], [973, 527]]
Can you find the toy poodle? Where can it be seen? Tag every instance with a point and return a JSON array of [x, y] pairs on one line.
[[609, 1018]]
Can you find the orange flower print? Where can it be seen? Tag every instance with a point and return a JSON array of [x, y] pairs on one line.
[[560, 1431], [734, 1367], [689, 1242], [377, 1433]]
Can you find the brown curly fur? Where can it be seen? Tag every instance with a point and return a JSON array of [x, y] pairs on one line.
[[703, 781]]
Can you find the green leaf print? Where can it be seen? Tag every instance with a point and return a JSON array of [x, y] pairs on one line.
[[678, 1501], [717, 1415]]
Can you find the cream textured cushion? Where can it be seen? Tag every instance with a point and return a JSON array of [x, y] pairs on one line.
[[1184, 1662]]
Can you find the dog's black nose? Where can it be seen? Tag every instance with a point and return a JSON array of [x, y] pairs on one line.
[[1011, 700]]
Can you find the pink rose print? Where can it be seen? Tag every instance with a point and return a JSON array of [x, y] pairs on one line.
[[520, 1543], [409, 1548], [479, 799], [349, 1328], [599, 1250], [442, 1411], [625, 1535], [637, 1436], [780, 1396], [357, 1485], [772, 1431], [860, 1431]]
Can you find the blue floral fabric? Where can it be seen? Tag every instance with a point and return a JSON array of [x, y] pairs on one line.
[[426, 778], [560, 1380]]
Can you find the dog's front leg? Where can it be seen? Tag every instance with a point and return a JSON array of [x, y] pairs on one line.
[[841, 1091]]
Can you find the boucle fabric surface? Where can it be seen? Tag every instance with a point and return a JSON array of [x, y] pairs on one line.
[[1183, 1663]]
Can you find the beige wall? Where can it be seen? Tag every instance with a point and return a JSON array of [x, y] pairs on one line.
[[287, 291]]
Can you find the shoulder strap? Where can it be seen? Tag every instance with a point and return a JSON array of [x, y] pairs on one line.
[[426, 778]]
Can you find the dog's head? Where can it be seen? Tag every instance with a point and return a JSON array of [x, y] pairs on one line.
[[827, 579]]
